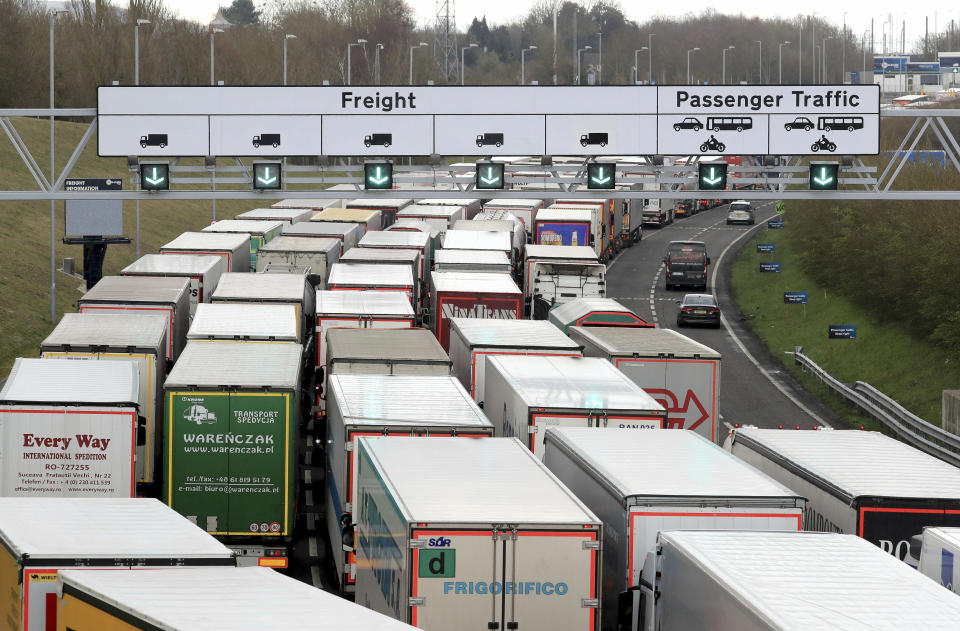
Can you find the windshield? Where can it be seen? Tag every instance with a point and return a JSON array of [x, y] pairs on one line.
[[699, 300]]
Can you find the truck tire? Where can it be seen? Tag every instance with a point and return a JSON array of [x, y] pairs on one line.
[[256, 145]]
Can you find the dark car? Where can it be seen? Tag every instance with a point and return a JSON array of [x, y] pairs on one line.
[[800, 122], [688, 123], [698, 309]]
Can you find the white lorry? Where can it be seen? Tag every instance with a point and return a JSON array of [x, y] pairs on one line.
[[523, 209], [203, 270], [857, 482], [787, 581], [556, 274], [457, 534], [620, 475], [345, 233], [233, 248], [940, 548], [246, 322], [525, 394], [302, 252], [381, 405], [682, 374], [487, 261]]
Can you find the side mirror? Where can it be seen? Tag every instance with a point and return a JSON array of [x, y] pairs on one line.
[[677, 301], [708, 260], [664, 259]]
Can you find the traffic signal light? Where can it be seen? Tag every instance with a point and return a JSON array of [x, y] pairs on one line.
[[155, 176], [823, 177], [267, 176], [712, 177], [377, 176], [601, 175], [489, 175]]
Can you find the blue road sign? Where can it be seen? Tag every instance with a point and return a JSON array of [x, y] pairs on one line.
[[93, 184], [775, 224], [770, 267], [794, 297], [768, 248], [842, 332]]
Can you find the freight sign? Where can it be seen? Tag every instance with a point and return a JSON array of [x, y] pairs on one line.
[[93, 184], [794, 297], [67, 453], [486, 120], [842, 332]]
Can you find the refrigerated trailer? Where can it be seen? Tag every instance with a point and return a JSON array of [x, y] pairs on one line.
[[525, 394], [472, 340], [301, 252], [786, 581], [387, 256], [380, 405], [486, 261], [477, 535], [232, 598], [523, 209], [246, 322], [595, 312], [682, 374], [286, 215], [857, 482], [416, 225], [115, 337], [470, 206], [405, 240], [233, 414], [43, 536], [345, 233], [489, 221], [203, 271], [70, 428], [471, 295], [259, 232], [169, 297], [316, 204], [440, 217], [940, 547], [232, 248], [387, 207], [640, 483], [375, 277]]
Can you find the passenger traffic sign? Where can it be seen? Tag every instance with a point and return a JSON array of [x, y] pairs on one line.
[[377, 175], [823, 177], [489, 175], [601, 175], [766, 248], [794, 297], [770, 267], [154, 176], [842, 332], [267, 175], [713, 177]]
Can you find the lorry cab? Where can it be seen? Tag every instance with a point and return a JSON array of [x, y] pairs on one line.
[[686, 265]]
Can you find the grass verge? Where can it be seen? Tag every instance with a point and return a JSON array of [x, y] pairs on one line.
[[891, 358]]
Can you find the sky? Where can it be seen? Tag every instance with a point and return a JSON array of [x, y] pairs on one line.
[[500, 11]]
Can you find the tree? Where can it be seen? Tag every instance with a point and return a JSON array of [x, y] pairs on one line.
[[242, 13]]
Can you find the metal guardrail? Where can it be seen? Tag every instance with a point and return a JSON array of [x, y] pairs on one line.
[[907, 426]]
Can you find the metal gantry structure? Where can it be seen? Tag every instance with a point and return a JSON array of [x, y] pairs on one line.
[[445, 40]]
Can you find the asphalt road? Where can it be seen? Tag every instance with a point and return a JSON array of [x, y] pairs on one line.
[[754, 389]]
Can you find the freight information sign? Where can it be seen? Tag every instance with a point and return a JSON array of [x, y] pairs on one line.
[[381, 121]]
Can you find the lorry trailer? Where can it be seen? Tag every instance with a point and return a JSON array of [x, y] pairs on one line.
[[384, 405], [440, 217], [287, 215], [203, 271], [301, 252], [375, 277], [470, 206], [246, 322], [116, 337], [232, 248], [857, 482], [525, 394], [345, 233], [260, 232], [940, 547], [388, 208], [404, 240], [285, 289], [619, 475], [486, 261], [471, 295], [447, 545], [366, 219], [523, 209]]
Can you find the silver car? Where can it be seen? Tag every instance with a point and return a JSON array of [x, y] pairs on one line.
[[740, 212]]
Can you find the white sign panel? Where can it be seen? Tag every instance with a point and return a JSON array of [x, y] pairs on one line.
[[274, 135], [712, 135], [149, 135], [377, 135], [605, 135], [494, 135], [824, 133]]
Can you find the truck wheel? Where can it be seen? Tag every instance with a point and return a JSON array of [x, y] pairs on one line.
[[276, 144], [479, 144], [603, 144], [143, 145], [256, 145], [386, 144], [163, 145], [499, 144], [366, 143]]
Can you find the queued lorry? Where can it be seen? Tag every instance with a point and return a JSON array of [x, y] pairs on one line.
[[477, 535], [203, 270], [727, 580], [682, 374], [233, 598], [525, 210], [440, 217], [246, 322], [259, 232], [234, 249], [287, 215], [471, 295], [345, 233], [594, 312], [70, 428], [857, 482], [234, 411], [376, 277], [619, 475], [404, 240], [317, 255], [486, 261], [384, 405], [284, 289], [938, 556], [366, 219], [387, 207], [116, 337], [556, 274], [42, 537], [470, 206], [525, 394]]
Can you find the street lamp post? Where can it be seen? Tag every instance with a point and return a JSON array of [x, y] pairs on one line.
[[843, 54], [600, 57], [359, 42], [760, 59], [213, 32], [556, 7], [650, 56], [286, 38], [523, 66], [413, 48], [53, 178], [463, 57], [579, 54], [723, 65], [780, 58], [688, 63], [376, 63], [136, 81], [823, 59], [636, 64]]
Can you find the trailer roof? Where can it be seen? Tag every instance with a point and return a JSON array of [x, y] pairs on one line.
[[145, 289], [514, 203], [286, 243], [370, 275], [858, 463], [247, 226], [480, 257], [394, 239], [560, 252], [474, 282], [363, 302], [212, 241], [386, 345], [485, 239], [379, 203], [355, 215], [245, 285], [631, 462], [948, 534], [241, 364], [496, 333], [400, 399], [564, 213], [313, 229], [100, 527], [410, 224], [473, 481], [235, 598], [115, 330], [551, 381], [230, 321], [67, 381], [275, 214], [380, 255], [641, 342], [427, 210], [309, 204], [580, 307], [173, 264], [447, 201], [812, 580]]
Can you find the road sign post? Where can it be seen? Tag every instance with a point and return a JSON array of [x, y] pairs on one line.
[[601, 176], [712, 177], [489, 175], [267, 176], [378, 176]]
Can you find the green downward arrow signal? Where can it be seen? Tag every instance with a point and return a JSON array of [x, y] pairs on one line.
[[599, 178], [823, 179], [378, 178], [265, 178], [713, 179], [491, 178], [153, 178]]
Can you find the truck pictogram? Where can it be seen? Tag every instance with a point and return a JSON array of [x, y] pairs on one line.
[[200, 415]]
